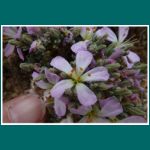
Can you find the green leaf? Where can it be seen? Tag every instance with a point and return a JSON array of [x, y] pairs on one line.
[[134, 110], [27, 66], [113, 66], [141, 66], [110, 49], [122, 91]]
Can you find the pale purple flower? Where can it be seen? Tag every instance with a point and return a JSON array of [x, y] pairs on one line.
[[116, 54], [60, 106], [77, 77], [102, 102], [123, 32], [51, 77], [33, 46], [80, 46], [35, 75], [41, 83], [131, 59], [9, 49], [81, 110], [87, 33], [20, 54], [12, 32], [59, 103], [15, 33], [110, 107], [33, 30]]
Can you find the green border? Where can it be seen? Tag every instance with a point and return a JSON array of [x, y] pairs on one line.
[[75, 12]]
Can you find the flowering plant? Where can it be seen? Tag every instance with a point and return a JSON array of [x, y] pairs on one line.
[[84, 75]]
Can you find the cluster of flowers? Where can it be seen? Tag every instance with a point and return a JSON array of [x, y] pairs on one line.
[[99, 80]]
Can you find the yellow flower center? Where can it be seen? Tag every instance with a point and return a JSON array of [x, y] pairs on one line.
[[74, 75]]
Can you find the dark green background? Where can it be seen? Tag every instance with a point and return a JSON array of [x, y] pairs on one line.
[[74, 12]]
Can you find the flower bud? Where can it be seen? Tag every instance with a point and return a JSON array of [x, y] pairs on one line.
[[26, 38], [110, 49], [27, 66], [141, 66], [115, 75], [122, 91], [15, 42], [134, 110], [113, 66]]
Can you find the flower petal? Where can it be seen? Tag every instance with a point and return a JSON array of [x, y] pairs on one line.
[[33, 46], [133, 119], [116, 54], [83, 32], [10, 31], [61, 64], [35, 75], [107, 31], [79, 46], [112, 108], [18, 33], [51, 77], [60, 87], [9, 49], [133, 57], [105, 101], [59, 107], [85, 95], [123, 32], [129, 64], [20, 54], [42, 84], [87, 32], [96, 74], [83, 59], [33, 30], [81, 110]]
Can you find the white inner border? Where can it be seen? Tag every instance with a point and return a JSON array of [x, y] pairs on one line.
[[147, 123]]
